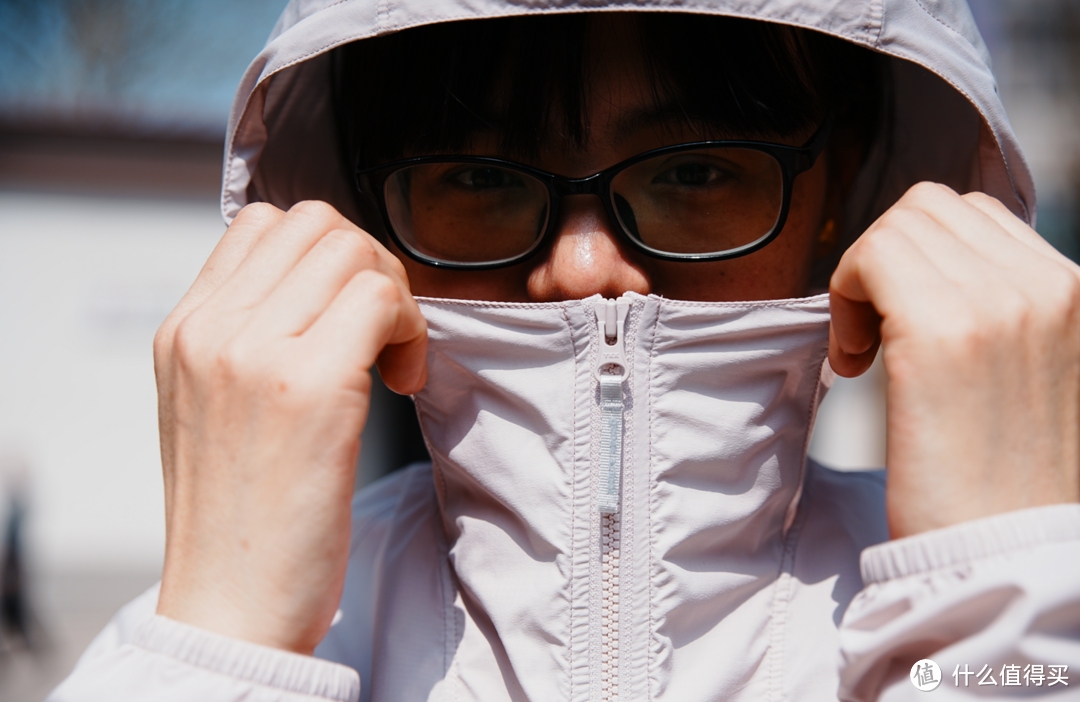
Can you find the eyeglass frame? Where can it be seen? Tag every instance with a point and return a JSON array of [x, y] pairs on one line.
[[793, 161]]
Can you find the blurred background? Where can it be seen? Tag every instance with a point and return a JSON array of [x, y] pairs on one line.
[[112, 121]]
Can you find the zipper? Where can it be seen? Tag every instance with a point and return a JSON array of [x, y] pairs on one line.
[[611, 371]]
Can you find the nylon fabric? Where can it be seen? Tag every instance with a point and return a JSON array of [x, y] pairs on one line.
[[722, 394]]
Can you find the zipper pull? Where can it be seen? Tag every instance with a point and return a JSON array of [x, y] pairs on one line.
[[611, 370], [610, 322]]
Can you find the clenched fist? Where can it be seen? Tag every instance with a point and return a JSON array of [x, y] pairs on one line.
[[979, 322], [263, 382]]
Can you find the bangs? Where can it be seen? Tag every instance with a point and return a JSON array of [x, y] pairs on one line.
[[433, 89]]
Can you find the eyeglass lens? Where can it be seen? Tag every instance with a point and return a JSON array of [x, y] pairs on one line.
[[700, 202], [688, 202], [467, 212]]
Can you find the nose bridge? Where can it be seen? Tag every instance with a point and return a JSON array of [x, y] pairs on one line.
[[590, 185], [588, 254]]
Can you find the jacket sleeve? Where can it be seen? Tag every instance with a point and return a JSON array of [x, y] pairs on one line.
[[142, 656], [994, 601]]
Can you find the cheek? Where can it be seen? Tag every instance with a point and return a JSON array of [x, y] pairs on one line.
[[504, 285]]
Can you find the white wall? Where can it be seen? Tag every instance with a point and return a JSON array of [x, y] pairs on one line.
[[850, 429], [84, 283]]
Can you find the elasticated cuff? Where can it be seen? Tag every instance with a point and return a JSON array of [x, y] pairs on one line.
[[243, 660], [971, 541]]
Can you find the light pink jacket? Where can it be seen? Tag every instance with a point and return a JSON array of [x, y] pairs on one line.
[[658, 537]]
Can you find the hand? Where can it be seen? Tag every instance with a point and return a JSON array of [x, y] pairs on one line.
[[979, 319], [263, 386]]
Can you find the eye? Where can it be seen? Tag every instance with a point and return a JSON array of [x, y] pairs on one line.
[[694, 174], [482, 178]]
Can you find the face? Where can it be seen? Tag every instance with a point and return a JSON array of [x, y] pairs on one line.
[[588, 255]]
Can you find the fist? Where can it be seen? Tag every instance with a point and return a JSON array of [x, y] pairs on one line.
[[979, 322], [263, 374]]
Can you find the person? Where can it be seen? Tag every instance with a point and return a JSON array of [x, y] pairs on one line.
[[588, 243]]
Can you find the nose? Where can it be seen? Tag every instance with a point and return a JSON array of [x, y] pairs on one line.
[[588, 256]]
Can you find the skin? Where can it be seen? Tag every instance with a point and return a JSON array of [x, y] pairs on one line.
[[263, 367]]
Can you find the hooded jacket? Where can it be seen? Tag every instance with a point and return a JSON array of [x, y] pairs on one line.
[[657, 533]]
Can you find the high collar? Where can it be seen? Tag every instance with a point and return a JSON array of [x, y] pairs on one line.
[[718, 404]]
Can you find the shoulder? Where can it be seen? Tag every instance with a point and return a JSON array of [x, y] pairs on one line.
[[841, 514], [844, 513], [400, 501], [396, 579], [851, 503]]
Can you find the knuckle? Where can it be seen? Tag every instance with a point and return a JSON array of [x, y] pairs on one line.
[[1062, 297], [977, 196], [398, 267], [927, 188], [879, 244], [964, 336], [356, 247], [163, 340], [315, 209], [186, 342], [257, 210], [380, 287], [905, 217], [1015, 317], [190, 351], [232, 364]]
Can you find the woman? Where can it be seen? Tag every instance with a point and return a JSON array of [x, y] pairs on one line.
[[615, 220]]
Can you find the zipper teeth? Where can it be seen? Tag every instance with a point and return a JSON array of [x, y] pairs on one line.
[[611, 316], [610, 533]]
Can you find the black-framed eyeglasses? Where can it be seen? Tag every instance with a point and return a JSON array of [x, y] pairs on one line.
[[701, 201]]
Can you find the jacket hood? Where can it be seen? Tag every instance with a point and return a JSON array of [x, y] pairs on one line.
[[947, 123]]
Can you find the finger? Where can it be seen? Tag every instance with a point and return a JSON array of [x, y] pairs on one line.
[[1012, 224], [372, 319], [854, 336], [1004, 262], [972, 225], [403, 367], [318, 278], [239, 239], [878, 280], [277, 252], [965, 263], [855, 326]]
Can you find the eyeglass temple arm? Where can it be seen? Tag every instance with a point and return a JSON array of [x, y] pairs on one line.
[[816, 144]]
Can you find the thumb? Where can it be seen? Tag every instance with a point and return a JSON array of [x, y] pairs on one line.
[[855, 331], [854, 338], [403, 367]]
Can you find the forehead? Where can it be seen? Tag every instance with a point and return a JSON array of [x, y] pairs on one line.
[[621, 97], [558, 82]]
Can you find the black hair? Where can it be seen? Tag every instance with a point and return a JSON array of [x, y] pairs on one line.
[[431, 89]]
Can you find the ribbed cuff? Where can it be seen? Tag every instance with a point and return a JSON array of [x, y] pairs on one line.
[[243, 660], [970, 541]]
